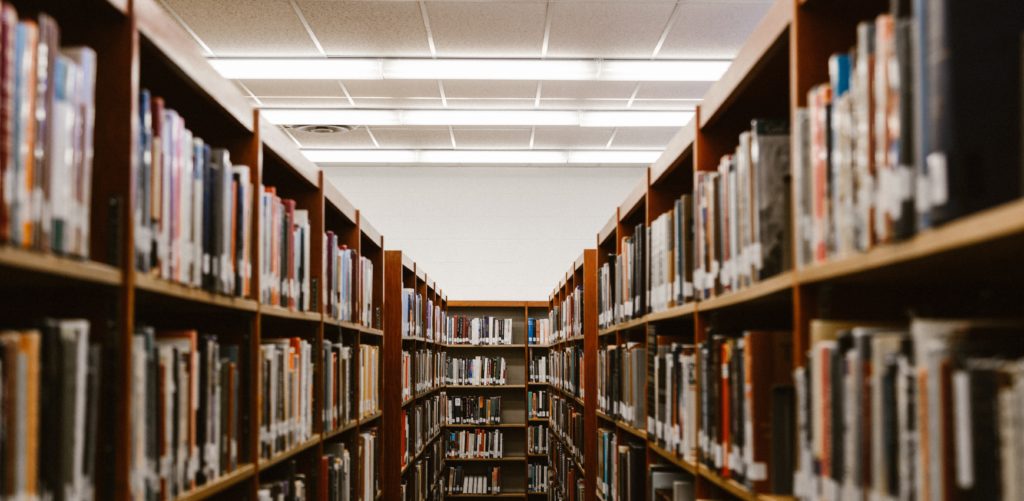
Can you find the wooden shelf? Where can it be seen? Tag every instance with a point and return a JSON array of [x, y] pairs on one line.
[[334, 433], [733, 487], [502, 495], [159, 287], [505, 459], [777, 284], [485, 386], [501, 425], [484, 346], [219, 484], [14, 260], [370, 417], [283, 456], [672, 458], [673, 313], [998, 223], [278, 312], [636, 432]]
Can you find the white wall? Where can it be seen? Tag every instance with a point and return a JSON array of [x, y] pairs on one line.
[[488, 233]]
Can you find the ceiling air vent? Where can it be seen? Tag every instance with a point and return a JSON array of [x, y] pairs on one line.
[[322, 129]]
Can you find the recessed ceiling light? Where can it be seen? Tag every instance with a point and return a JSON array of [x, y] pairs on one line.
[[490, 157], [470, 69], [413, 117]]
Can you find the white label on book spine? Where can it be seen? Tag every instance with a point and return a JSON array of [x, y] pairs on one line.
[[962, 430], [937, 178], [757, 471]]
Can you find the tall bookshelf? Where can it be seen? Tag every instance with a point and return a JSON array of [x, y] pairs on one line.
[[961, 268], [139, 46], [514, 422]]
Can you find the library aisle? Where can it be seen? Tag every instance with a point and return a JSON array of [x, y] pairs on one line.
[[806, 287]]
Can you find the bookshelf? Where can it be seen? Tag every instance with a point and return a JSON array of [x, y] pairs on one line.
[[139, 47], [515, 424]]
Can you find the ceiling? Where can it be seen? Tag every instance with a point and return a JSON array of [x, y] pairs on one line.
[[499, 231]]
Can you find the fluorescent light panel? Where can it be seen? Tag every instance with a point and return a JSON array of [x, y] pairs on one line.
[[470, 69], [523, 157], [477, 117]]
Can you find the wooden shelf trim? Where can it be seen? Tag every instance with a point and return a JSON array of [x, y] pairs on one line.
[[279, 312], [162, 287], [219, 484], [62, 267], [285, 455]]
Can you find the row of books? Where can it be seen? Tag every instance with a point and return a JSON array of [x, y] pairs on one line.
[[293, 488], [672, 422], [185, 412], [669, 484], [475, 444], [348, 475], [48, 116], [285, 273], [192, 216], [910, 132], [567, 423], [537, 404], [427, 416], [671, 254], [537, 478], [473, 409], [286, 379], [337, 468], [50, 381], [741, 212], [538, 369], [423, 483], [538, 331], [567, 369], [349, 283], [428, 367], [462, 481], [621, 382], [623, 280], [478, 331], [369, 380], [412, 313], [566, 317], [407, 389], [746, 404], [537, 439], [339, 385], [925, 411], [567, 484], [476, 371], [621, 467]]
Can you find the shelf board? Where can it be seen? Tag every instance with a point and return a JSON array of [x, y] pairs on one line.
[[672, 458], [279, 312], [485, 386], [154, 285], [219, 484], [675, 312], [503, 495], [484, 346], [370, 417], [283, 456], [537, 384], [538, 420], [540, 346], [626, 427], [284, 148], [501, 425], [767, 287], [680, 145], [40, 263], [534, 455], [409, 401], [1004, 221], [427, 393], [505, 459], [348, 427], [605, 417], [733, 487], [743, 69]]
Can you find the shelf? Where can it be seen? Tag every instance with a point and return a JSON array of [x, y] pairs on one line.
[[352, 326], [484, 386], [538, 420], [484, 346], [672, 458], [505, 459], [673, 313], [622, 326], [680, 145], [283, 456], [502, 425], [540, 346], [502, 495], [605, 417], [427, 393], [279, 312], [533, 455], [63, 268], [733, 487], [409, 401], [370, 417], [348, 427], [219, 484], [760, 290], [537, 384], [160, 287], [999, 223], [631, 430]]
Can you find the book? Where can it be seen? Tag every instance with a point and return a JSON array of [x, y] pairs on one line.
[[286, 373], [483, 331], [285, 274]]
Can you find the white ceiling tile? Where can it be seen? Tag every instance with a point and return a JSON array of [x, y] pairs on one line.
[[354, 139], [490, 88], [227, 27], [480, 29], [385, 29], [294, 88], [480, 138], [412, 137], [490, 104], [583, 104], [665, 104], [305, 102], [673, 90], [606, 29], [571, 137], [643, 137], [393, 88], [587, 90], [388, 102], [711, 29]]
